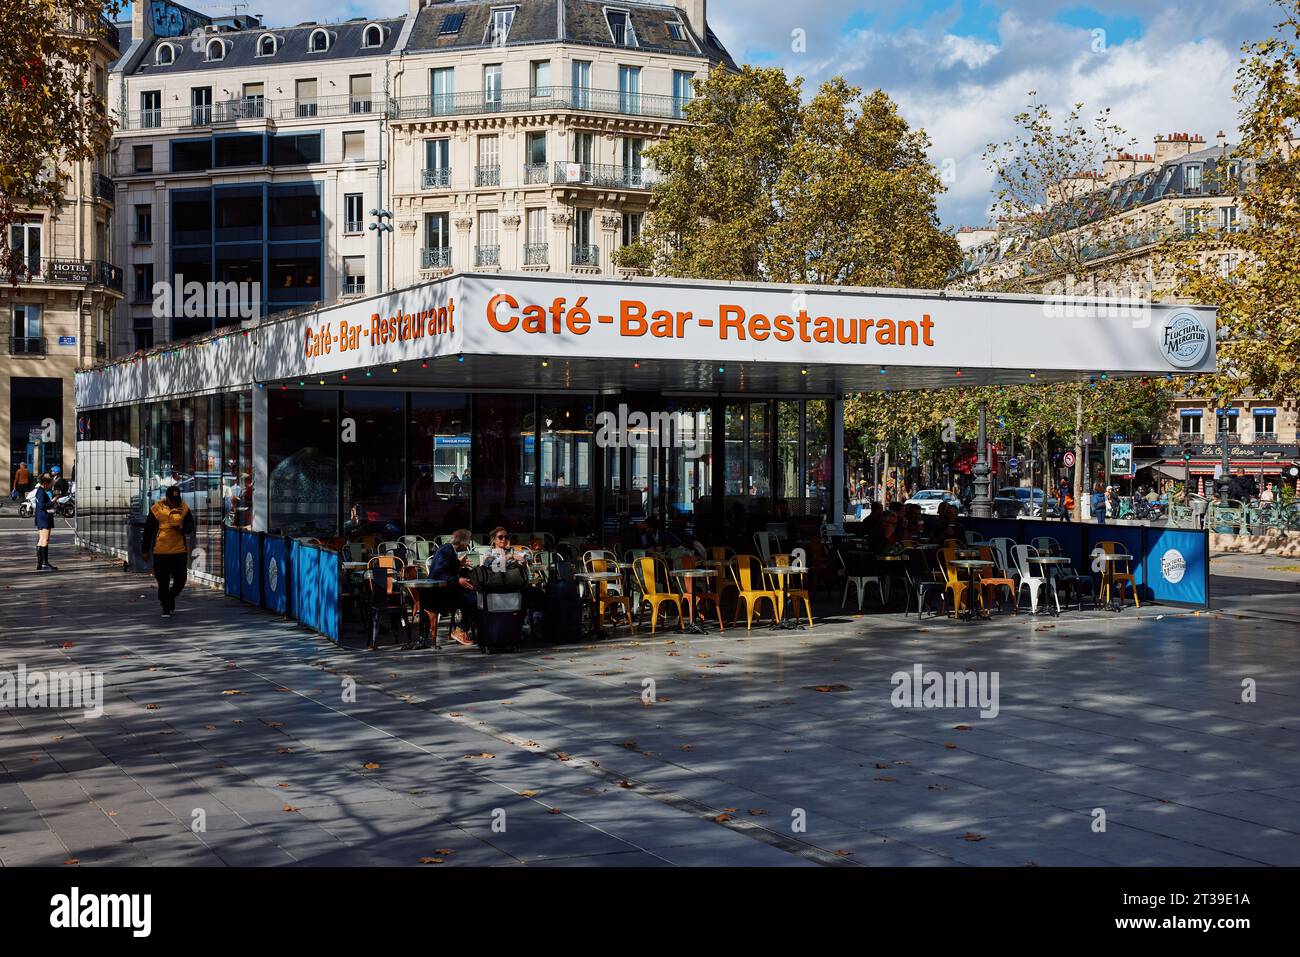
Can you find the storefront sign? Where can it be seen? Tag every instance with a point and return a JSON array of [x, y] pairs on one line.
[[1121, 458], [70, 270]]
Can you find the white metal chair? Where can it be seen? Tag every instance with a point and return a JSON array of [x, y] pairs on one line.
[[1022, 555], [763, 543], [859, 583]]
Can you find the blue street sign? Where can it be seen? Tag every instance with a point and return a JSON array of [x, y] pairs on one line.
[[1013, 462], [67, 340]]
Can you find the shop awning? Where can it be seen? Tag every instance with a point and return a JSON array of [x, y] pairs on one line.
[[544, 332]]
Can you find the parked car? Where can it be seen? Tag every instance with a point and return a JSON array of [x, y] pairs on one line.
[[931, 498], [1011, 502]]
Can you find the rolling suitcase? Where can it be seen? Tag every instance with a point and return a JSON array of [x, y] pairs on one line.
[[563, 606], [500, 621]]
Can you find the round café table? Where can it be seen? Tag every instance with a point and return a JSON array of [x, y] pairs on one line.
[[593, 580], [420, 589], [1108, 581], [690, 574], [1045, 563], [783, 572], [971, 565]]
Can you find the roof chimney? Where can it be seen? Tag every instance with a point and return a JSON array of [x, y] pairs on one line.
[[1220, 139]]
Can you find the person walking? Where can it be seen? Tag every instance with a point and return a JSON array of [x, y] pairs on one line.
[[22, 483], [44, 523], [167, 533], [1098, 503]]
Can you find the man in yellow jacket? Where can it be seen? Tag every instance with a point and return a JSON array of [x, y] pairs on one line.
[[167, 534]]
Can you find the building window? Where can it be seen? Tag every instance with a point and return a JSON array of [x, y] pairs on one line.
[[305, 97], [1191, 179], [488, 171], [142, 291], [437, 241], [581, 84], [675, 30], [28, 336], [1228, 218], [142, 159], [1265, 425], [488, 251], [151, 109], [1191, 422], [682, 91], [442, 89], [165, 55], [25, 242], [253, 103], [437, 165], [451, 24], [1191, 221], [373, 37], [216, 50], [354, 146], [352, 213], [266, 45], [144, 223], [359, 94], [583, 144], [201, 105], [319, 42], [354, 275], [1226, 421], [629, 89], [620, 28], [541, 78], [492, 86], [632, 228], [584, 253], [499, 26], [535, 158]]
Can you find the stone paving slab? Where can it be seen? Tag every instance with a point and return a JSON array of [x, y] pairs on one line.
[[1138, 714]]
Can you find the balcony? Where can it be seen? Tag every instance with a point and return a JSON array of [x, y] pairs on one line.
[[523, 100], [26, 346], [1265, 437], [436, 257], [439, 178], [487, 175], [252, 108], [535, 174], [92, 28], [603, 176], [535, 254], [1194, 437], [354, 286], [72, 272], [487, 256], [353, 226], [585, 256], [103, 187]]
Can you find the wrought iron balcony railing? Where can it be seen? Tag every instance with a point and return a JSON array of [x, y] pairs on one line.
[[586, 256], [602, 175], [535, 174], [524, 99], [437, 178], [487, 175], [435, 257], [487, 256], [27, 345], [75, 272], [535, 254], [253, 108], [104, 187]]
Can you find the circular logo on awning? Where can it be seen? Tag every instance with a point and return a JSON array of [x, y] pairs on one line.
[[1173, 566], [1184, 339]]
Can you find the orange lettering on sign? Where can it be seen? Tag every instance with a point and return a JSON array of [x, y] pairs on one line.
[[631, 317], [731, 318], [500, 325]]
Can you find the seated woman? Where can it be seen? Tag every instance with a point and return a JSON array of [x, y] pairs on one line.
[[503, 551]]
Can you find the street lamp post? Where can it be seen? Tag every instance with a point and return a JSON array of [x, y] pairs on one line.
[[379, 227], [981, 505]]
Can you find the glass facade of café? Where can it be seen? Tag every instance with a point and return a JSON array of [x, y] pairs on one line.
[[426, 462]]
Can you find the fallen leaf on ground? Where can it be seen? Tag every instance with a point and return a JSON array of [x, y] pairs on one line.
[[73, 860], [687, 747], [756, 811], [843, 853], [948, 745], [885, 777], [284, 750], [371, 766], [283, 784], [430, 860], [483, 754], [962, 727], [289, 807], [232, 691], [555, 810], [624, 783], [972, 836], [151, 707], [722, 818], [630, 745], [528, 794], [561, 755]]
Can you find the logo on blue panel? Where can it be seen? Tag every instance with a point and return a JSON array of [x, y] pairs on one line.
[[272, 574], [1184, 339], [1173, 566], [249, 568]]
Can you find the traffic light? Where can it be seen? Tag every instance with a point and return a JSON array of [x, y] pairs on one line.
[[1187, 451]]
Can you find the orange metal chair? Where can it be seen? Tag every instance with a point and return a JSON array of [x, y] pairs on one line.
[[747, 573], [605, 598], [701, 590], [990, 580], [650, 572]]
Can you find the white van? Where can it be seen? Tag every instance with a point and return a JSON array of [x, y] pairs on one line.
[[108, 475]]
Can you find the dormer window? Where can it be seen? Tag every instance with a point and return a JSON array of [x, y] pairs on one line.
[[266, 45], [620, 28], [675, 30], [319, 42], [216, 50], [1191, 179], [165, 55], [373, 36], [499, 26]]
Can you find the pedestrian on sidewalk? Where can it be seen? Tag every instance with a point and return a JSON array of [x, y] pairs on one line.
[[167, 534], [22, 483], [44, 522]]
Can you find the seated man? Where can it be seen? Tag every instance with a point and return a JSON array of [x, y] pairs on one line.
[[445, 564], [948, 527]]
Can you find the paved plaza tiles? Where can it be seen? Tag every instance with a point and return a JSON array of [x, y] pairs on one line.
[[551, 757]]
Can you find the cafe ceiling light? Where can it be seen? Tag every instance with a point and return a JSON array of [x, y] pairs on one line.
[[424, 365], [345, 377], [803, 371], [722, 368], [545, 363], [882, 370], [460, 358]]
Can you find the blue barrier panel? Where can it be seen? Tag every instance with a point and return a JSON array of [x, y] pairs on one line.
[[275, 580], [305, 599], [1178, 566], [250, 558], [230, 553], [328, 613]]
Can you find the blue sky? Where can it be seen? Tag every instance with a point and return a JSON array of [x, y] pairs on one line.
[[961, 69]]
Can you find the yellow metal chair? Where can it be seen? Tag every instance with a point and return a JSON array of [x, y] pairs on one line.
[[747, 573], [605, 597], [650, 572], [952, 583], [1118, 573], [795, 594]]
